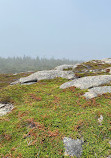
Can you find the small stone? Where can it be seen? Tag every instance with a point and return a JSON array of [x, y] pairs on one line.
[[5, 108], [100, 119], [73, 147]]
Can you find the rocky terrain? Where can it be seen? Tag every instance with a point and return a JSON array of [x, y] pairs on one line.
[[54, 113], [99, 74]]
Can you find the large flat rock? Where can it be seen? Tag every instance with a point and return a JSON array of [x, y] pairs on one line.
[[87, 82], [94, 92], [46, 74]]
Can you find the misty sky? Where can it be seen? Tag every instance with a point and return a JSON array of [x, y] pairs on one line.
[[74, 29]]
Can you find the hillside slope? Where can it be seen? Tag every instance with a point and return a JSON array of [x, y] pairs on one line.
[[44, 114]]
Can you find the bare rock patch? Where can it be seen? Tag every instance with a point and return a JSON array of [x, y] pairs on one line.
[[46, 74], [63, 67], [73, 147], [5, 108], [94, 92], [87, 82], [107, 60]]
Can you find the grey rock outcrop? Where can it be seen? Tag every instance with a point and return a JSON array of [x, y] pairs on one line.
[[94, 92], [66, 67], [72, 147], [46, 74], [87, 82], [107, 60], [63, 67], [5, 108]]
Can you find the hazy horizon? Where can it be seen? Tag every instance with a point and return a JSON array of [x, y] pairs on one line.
[[71, 29], [48, 58]]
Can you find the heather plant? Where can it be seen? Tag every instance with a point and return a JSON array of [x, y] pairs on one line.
[[44, 114]]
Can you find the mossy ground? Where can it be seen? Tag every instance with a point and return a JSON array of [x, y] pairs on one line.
[[6, 79], [91, 68], [43, 114]]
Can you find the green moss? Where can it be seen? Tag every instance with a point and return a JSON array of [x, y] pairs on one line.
[[91, 68], [68, 69], [6, 79]]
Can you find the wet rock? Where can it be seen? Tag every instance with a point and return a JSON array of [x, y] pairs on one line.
[[87, 82], [73, 147], [94, 92], [5, 108]]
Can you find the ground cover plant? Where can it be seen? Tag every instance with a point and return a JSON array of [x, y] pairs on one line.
[[44, 114], [6, 79], [92, 68]]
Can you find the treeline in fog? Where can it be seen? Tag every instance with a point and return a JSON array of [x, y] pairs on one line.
[[24, 64]]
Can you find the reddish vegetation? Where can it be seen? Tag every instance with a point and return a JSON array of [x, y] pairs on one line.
[[32, 124], [46, 116], [72, 89], [80, 113], [79, 124], [7, 136], [11, 156], [21, 114], [53, 133], [6, 79], [36, 129], [13, 149], [34, 97], [107, 96], [107, 70], [56, 100]]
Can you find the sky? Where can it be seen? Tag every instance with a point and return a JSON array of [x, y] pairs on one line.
[[72, 29]]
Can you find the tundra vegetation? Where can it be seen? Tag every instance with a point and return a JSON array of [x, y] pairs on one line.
[[44, 114]]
